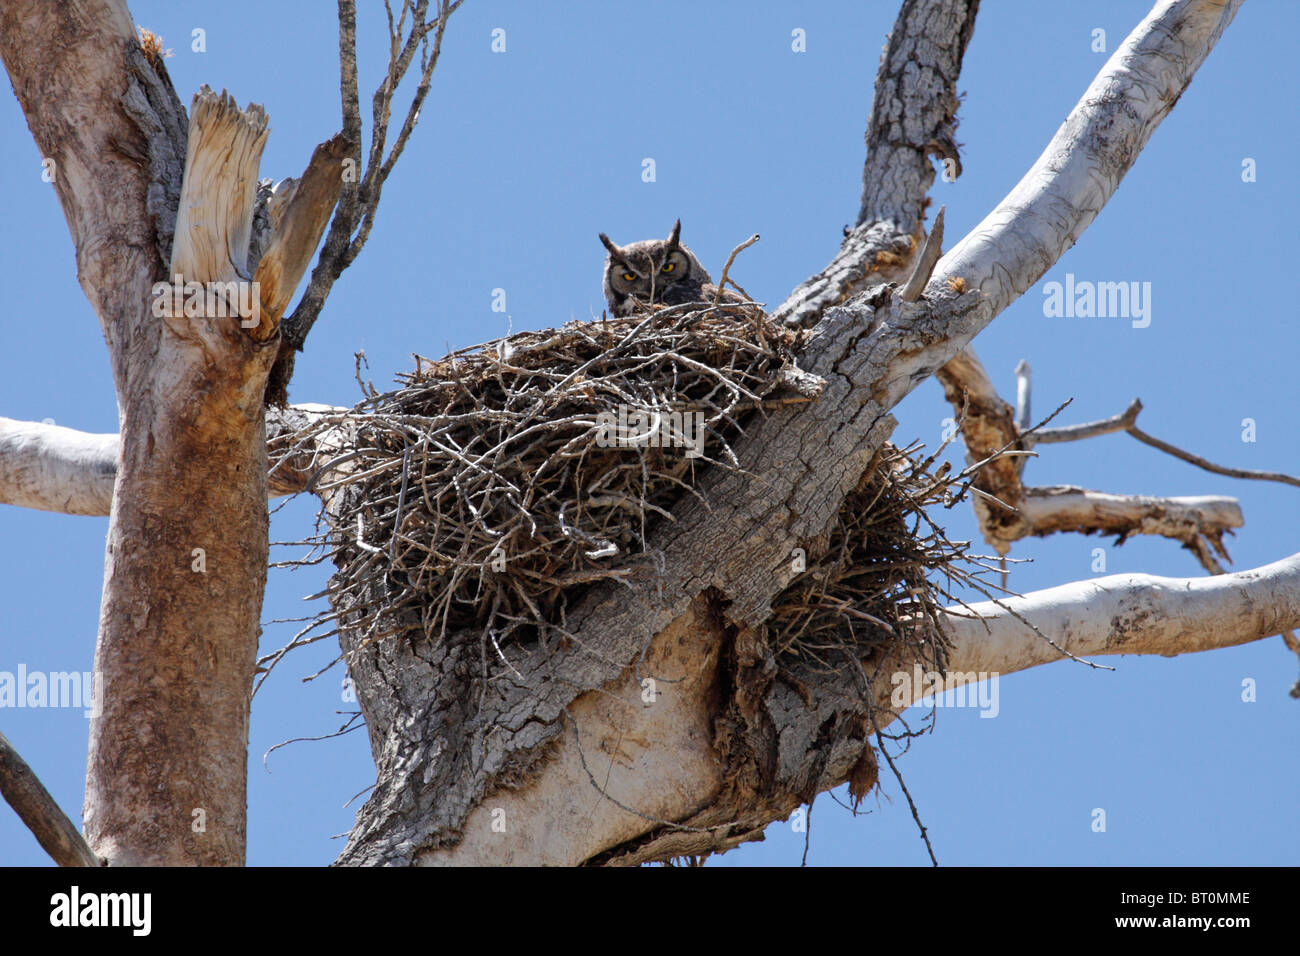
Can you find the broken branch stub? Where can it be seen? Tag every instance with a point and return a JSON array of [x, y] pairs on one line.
[[297, 227]]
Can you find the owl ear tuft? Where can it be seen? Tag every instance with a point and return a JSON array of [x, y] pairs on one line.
[[614, 250], [673, 239]]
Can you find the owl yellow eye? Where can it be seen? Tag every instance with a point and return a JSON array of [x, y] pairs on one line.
[[629, 276], [668, 267]]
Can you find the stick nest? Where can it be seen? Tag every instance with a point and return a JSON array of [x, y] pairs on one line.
[[488, 492]]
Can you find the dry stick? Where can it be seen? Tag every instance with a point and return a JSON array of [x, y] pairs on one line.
[[899, 777], [926, 262], [347, 728], [1006, 451], [1207, 560], [1126, 421], [1024, 390], [1210, 466], [961, 420], [1116, 423], [807, 832], [406, 463], [355, 795], [56, 834], [717, 296], [1024, 385]]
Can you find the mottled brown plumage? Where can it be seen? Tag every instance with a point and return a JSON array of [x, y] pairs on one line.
[[660, 271]]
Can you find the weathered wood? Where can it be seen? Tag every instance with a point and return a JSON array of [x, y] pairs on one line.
[[187, 543], [52, 468], [437, 762], [987, 425], [298, 221], [218, 189], [1106, 426], [925, 262], [56, 834], [1009, 511], [1127, 614], [1061, 508]]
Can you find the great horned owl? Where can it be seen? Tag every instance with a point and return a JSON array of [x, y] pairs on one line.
[[656, 270]]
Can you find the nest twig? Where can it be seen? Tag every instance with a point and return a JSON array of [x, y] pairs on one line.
[[496, 486]]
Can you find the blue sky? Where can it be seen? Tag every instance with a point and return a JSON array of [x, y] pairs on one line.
[[522, 157]]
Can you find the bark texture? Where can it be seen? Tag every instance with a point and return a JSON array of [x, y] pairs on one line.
[[441, 756], [187, 545], [913, 118], [1127, 614], [571, 758], [52, 468]]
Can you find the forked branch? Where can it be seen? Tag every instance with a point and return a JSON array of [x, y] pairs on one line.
[[362, 187]]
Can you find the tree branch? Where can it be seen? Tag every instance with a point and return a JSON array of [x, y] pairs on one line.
[[52, 468], [359, 202], [1008, 511], [1083, 164], [1127, 614], [1200, 462], [797, 467], [1024, 399], [1116, 423], [913, 117], [1061, 508], [297, 222], [56, 834]]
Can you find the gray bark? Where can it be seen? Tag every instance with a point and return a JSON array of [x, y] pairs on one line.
[[443, 757]]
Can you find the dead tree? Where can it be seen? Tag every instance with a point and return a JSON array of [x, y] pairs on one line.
[[730, 747]]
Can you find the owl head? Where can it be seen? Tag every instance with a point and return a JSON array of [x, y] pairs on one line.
[[653, 270]]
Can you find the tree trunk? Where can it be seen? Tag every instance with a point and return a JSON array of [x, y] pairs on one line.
[[571, 763], [187, 544], [450, 777]]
